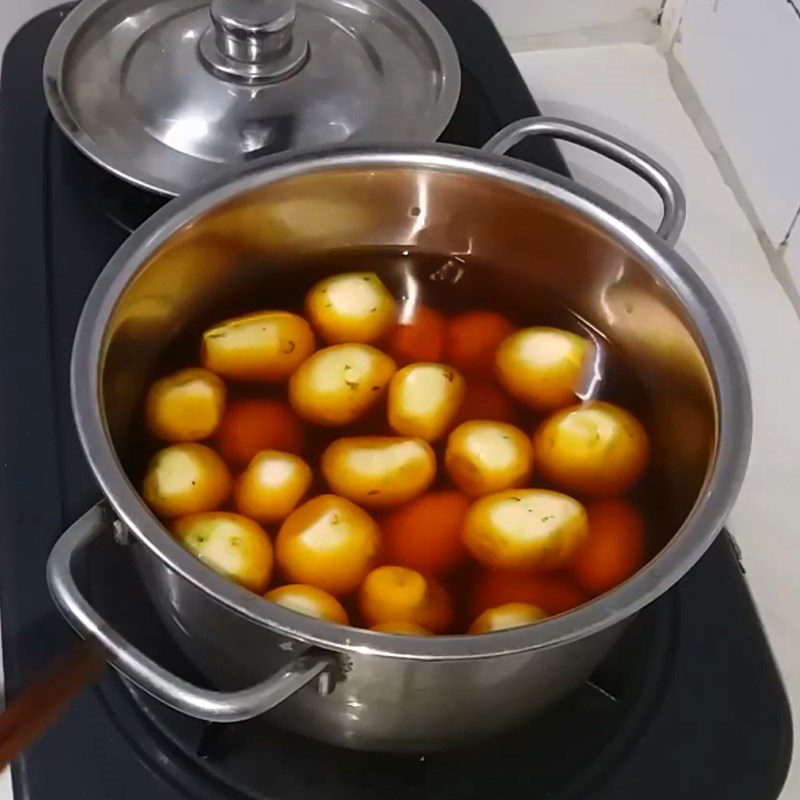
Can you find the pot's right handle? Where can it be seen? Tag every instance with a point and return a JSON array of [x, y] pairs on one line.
[[635, 160], [193, 700]]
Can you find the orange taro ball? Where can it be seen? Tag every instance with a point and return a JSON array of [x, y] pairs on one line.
[[419, 339], [399, 594], [614, 549], [250, 426], [551, 593], [485, 400], [472, 339], [425, 533]]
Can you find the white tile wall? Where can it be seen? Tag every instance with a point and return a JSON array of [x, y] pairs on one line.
[[670, 19], [743, 59], [791, 254], [14, 13], [625, 90], [515, 18]]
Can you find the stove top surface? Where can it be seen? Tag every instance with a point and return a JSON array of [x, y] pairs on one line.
[[690, 704]]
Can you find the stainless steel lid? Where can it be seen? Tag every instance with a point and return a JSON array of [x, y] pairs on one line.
[[169, 93]]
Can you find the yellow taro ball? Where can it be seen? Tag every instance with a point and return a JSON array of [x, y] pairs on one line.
[[510, 615], [518, 529], [309, 600], [399, 594], [186, 479], [234, 546], [266, 346], [597, 449], [329, 543], [272, 485], [352, 307], [424, 399], [542, 367], [483, 456], [339, 384], [185, 406], [379, 471], [401, 628]]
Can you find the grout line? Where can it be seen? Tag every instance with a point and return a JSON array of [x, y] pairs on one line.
[[794, 7], [638, 31], [689, 99], [792, 226], [670, 20]]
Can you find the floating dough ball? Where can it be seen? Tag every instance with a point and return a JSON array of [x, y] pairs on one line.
[[614, 549], [510, 615], [472, 340], [351, 307], [401, 628], [339, 384], [532, 529], [231, 544], [185, 406], [398, 594], [485, 400], [553, 593], [379, 471], [267, 346], [272, 485], [424, 399], [309, 600], [484, 457], [419, 336], [250, 426], [329, 543], [597, 449], [542, 367], [425, 533], [186, 479]]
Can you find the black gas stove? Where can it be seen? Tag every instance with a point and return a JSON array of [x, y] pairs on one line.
[[690, 705]]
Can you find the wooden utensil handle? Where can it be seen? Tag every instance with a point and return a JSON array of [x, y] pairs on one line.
[[29, 714]]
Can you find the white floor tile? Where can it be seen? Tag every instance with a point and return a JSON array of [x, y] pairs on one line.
[[625, 90]]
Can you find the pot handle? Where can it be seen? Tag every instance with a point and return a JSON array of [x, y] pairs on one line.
[[175, 692], [663, 182]]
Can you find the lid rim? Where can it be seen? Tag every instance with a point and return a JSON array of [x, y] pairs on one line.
[[437, 102]]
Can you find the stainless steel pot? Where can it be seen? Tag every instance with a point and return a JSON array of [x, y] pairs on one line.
[[355, 687]]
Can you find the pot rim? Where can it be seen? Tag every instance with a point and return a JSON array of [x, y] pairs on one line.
[[722, 351]]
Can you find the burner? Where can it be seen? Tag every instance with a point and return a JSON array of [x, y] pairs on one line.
[[121, 202], [550, 756], [689, 705]]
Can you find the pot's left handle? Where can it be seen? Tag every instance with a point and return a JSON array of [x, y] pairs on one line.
[[195, 701], [636, 161]]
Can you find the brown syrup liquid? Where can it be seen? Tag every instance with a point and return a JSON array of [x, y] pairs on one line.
[[450, 285]]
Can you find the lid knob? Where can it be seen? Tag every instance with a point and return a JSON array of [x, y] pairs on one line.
[[252, 30], [253, 40]]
